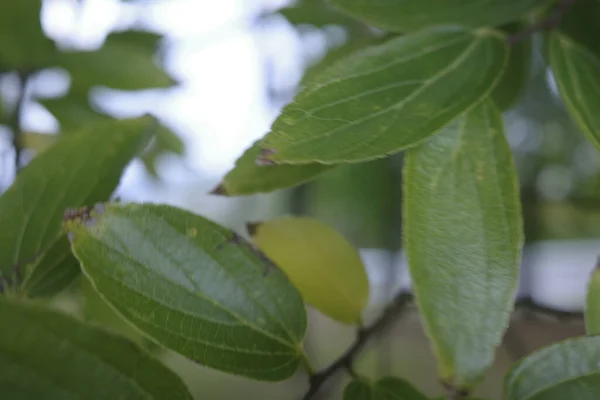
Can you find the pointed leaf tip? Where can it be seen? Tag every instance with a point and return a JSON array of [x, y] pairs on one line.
[[219, 190]]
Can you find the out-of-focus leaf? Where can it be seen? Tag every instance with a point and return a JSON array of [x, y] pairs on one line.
[[248, 177], [565, 370], [79, 169], [516, 74], [73, 111], [47, 355], [317, 13], [580, 24], [125, 62], [592, 303], [359, 201], [192, 286], [412, 15], [463, 235], [387, 98], [319, 261], [165, 141], [23, 45], [36, 141], [577, 74], [383, 389]]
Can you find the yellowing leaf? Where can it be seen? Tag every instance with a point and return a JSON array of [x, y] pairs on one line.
[[320, 262]]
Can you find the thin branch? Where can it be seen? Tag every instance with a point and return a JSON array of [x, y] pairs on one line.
[[550, 22], [346, 360], [15, 121]]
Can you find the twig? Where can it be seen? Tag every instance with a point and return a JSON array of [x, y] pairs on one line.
[[346, 360], [15, 121], [550, 22]]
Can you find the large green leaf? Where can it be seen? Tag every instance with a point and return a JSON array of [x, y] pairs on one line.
[[23, 45], [565, 370], [77, 170], [383, 389], [325, 268], [592, 303], [135, 69], [387, 98], [580, 23], [46, 355], [73, 111], [411, 15], [463, 236], [193, 286], [577, 74], [248, 177], [515, 76]]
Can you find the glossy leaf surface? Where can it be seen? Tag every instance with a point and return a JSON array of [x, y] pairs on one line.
[[387, 98], [192, 286]]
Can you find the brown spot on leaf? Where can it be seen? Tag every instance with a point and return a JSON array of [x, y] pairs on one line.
[[219, 190], [263, 157], [252, 227]]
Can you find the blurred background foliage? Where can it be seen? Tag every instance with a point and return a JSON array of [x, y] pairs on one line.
[[216, 75]]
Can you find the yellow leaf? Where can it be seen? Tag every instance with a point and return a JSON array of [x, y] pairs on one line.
[[319, 261]]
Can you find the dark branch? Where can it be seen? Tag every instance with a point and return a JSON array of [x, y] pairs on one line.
[[15, 121], [550, 22], [346, 360]]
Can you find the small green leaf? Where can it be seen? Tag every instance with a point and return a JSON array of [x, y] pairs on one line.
[[23, 45], [515, 76], [79, 169], [319, 261], [165, 141], [136, 68], [564, 370], [383, 389], [580, 24], [248, 177], [192, 286], [387, 98], [315, 12], [463, 234], [48, 355], [577, 74], [412, 15], [592, 304]]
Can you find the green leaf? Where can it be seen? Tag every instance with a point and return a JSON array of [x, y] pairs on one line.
[[135, 69], [577, 74], [387, 98], [73, 111], [412, 15], [165, 141], [23, 45], [248, 177], [580, 24], [592, 303], [319, 261], [383, 389], [48, 355], [36, 141], [192, 286], [315, 12], [463, 235], [565, 370], [515, 76], [77, 170]]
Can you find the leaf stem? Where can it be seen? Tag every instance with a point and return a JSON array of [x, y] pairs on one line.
[[346, 360], [550, 22], [306, 362], [15, 120]]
